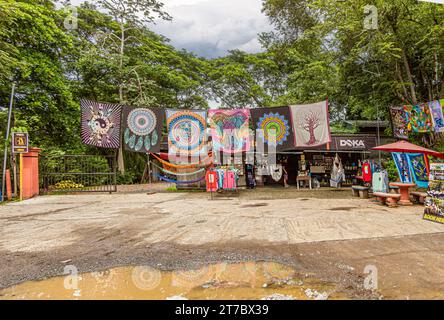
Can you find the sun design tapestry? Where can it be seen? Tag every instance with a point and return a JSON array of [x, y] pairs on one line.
[[273, 127], [100, 124], [230, 130], [418, 118], [402, 164], [311, 124], [399, 122], [186, 132], [418, 169], [437, 116], [142, 128]]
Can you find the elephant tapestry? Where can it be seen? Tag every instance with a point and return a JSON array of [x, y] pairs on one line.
[[230, 130], [186, 132], [311, 124], [274, 120], [100, 124], [142, 129]]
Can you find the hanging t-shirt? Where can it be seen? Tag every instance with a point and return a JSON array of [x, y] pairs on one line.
[[229, 180], [211, 179], [367, 172]]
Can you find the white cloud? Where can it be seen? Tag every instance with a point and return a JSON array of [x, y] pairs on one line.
[[210, 28]]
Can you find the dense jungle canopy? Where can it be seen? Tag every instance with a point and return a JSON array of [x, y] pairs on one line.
[[318, 49]]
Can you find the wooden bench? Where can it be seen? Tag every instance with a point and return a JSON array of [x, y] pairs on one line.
[[418, 197], [390, 199], [359, 191]]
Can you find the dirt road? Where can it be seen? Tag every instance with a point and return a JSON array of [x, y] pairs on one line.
[[326, 234]]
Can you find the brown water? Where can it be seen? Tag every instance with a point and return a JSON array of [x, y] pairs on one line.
[[221, 281]]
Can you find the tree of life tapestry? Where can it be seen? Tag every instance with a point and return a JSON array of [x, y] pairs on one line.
[[230, 130], [274, 121], [142, 129], [186, 132], [100, 124], [311, 124]]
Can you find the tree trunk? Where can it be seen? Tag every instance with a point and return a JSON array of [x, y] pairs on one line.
[[409, 77], [312, 136], [120, 159]]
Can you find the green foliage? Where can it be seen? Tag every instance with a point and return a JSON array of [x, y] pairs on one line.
[[392, 171]]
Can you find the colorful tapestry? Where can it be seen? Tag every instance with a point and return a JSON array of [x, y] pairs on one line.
[[311, 125], [186, 132], [100, 124], [273, 126], [437, 116], [142, 129], [418, 118], [402, 164], [399, 122], [230, 130], [418, 169]]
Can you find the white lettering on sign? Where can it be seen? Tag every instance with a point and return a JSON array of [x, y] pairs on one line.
[[352, 143]]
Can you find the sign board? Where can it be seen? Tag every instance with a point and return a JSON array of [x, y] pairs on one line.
[[353, 142], [19, 142], [434, 205]]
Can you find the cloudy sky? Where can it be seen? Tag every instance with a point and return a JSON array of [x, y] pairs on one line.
[[210, 28]]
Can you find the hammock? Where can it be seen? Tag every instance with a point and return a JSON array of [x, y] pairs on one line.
[[183, 166], [163, 178], [178, 174]]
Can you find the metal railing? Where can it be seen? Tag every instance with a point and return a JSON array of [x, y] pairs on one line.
[[77, 173]]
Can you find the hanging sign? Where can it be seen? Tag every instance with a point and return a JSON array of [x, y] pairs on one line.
[[19, 142]]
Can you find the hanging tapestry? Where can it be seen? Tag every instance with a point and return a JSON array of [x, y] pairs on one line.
[[437, 116], [230, 130], [399, 122], [186, 132], [142, 129], [418, 170], [311, 125], [402, 164], [270, 122], [418, 118], [100, 124]]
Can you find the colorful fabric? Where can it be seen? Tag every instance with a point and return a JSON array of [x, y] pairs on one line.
[[399, 122], [402, 164], [142, 129], [230, 130], [186, 132], [418, 118], [270, 122], [418, 169], [311, 125], [367, 173], [100, 124], [166, 179], [211, 181], [437, 116]]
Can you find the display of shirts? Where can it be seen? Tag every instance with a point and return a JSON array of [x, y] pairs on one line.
[[367, 172]]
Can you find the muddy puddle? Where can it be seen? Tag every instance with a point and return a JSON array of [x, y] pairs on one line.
[[256, 281]]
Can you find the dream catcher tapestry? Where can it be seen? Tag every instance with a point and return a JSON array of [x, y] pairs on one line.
[[437, 116], [311, 124], [230, 130], [100, 124], [273, 127], [142, 129], [399, 122], [402, 164], [418, 169], [418, 118], [186, 132]]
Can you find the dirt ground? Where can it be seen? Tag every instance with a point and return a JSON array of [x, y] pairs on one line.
[[324, 233]]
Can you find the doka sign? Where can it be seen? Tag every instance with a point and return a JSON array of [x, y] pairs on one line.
[[19, 142], [350, 143]]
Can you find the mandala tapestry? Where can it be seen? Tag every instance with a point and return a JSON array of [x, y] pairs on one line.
[[142, 129], [100, 124], [270, 122], [186, 132]]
